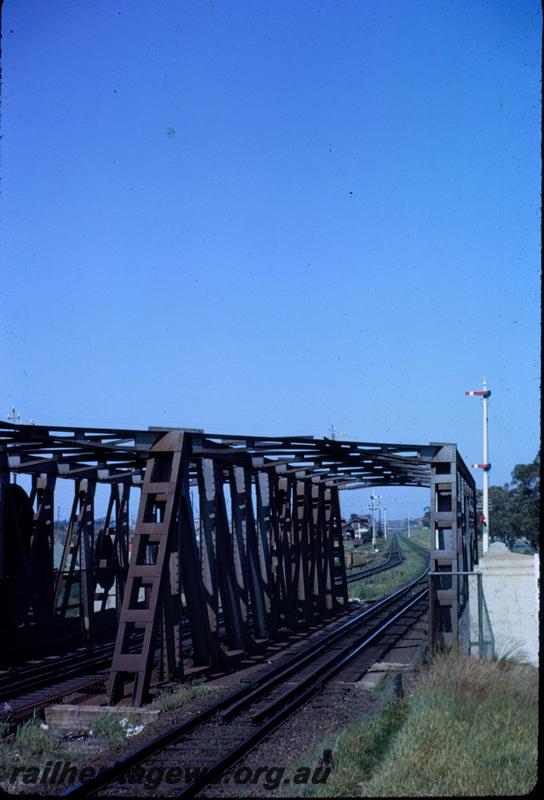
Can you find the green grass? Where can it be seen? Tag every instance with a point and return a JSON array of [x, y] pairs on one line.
[[421, 536], [414, 562], [109, 728], [358, 546], [31, 739], [30, 745], [469, 728], [176, 698], [364, 554], [357, 752]]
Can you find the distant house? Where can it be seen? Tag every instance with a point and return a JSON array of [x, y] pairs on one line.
[[357, 527]]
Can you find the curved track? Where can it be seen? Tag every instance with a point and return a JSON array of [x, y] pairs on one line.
[[395, 556]]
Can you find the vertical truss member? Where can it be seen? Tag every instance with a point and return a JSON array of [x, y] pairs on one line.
[[152, 594], [76, 566]]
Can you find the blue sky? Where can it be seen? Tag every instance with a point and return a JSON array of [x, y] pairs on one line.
[[271, 217]]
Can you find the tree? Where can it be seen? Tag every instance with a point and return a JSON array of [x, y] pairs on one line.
[[526, 491], [527, 476], [426, 518], [514, 507]]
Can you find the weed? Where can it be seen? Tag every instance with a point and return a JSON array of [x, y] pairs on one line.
[[109, 728], [171, 699], [33, 739]]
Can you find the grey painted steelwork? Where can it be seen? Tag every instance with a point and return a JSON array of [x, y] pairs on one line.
[[265, 554]]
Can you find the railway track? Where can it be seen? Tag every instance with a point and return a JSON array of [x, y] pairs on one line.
[[36, 675], [28, 689], [22, 708], [395, 556], [24, 690], [42, 672], [220, 735]]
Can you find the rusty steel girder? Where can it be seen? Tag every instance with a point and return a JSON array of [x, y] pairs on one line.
[[263, 553]]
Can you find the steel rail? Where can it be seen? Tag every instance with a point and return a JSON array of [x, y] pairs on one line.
[[59, 669], [20, 713], [66, 665], [385, 565], [245, 695], [290, 702], [26, 678], [55, 673]]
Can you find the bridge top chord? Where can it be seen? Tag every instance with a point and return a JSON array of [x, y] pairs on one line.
[[120, 455]]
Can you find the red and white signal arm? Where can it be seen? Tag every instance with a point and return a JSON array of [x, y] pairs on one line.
[[482, 518], [486, 393]]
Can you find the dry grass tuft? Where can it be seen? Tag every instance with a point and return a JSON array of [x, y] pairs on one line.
[[469, 728]]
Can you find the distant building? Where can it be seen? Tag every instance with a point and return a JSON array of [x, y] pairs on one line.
[[357, 527]]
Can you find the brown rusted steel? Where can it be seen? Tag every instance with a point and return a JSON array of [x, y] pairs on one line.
[[453, 536], [152, 595], [76, 566], [269, 558]]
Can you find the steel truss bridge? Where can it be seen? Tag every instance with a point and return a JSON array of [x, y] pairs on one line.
[[264, 554]]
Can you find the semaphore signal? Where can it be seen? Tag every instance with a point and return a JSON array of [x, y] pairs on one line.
[[485, 466]]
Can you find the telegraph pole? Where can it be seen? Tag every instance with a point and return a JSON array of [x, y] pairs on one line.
[[385, 523], [408, 525], [373, 520], [334, 435], [373, 497], [14, 417], [485, 466]]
